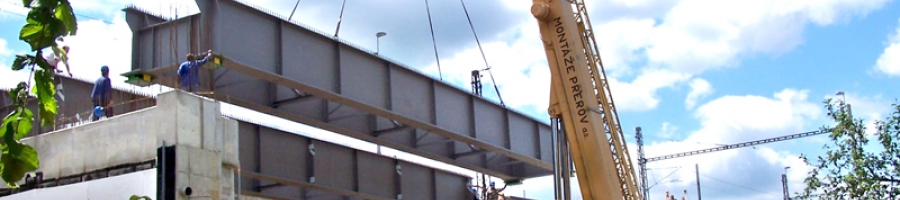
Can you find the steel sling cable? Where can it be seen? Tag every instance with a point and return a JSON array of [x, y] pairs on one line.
[[487, 67], [433, 42]]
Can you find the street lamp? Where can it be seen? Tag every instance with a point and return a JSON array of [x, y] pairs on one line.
[[378, 42]]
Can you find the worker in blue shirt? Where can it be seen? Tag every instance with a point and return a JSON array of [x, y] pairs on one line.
[[189, 71], [102, 94]]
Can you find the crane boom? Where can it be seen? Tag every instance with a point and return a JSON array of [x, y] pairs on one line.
[[740, 145], [581, 98]]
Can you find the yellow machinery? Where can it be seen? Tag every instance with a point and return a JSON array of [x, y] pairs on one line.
[[580, 98]]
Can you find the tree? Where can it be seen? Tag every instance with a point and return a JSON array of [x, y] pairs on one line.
[[46, 23], [852, 168]]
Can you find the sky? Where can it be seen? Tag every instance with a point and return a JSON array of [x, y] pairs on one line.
[[692, 73]]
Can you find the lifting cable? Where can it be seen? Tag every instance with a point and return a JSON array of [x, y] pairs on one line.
[[433, 42], [487, 67], [295, 10], [340, 18]]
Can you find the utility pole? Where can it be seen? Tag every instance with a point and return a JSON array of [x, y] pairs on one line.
[[784, 184], [642, 163], [785, 187], [697, 168]]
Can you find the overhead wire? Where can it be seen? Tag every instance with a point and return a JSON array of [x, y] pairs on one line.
[[483, 57], [720, 180], [667, 176], [721, 190], [433, 42]]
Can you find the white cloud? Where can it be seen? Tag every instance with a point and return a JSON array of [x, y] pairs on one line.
[[640, 94], [736, 174], [12, 11], [700, 88], [731, 119], [4, 51], [667, 130], [667, 43], [98, 43], [889, 61], [698, 35]]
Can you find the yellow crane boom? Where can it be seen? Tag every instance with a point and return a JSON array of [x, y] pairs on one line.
[[580, 97]]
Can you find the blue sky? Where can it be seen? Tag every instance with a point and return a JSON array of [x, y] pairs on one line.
[[692, 73]]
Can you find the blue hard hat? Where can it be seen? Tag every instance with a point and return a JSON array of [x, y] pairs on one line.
[[492, 183], [104, 68], [98, 111]]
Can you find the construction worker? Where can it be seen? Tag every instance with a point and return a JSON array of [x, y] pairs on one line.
[[494, 193], [189, 71], [53, 61], [101, 96]]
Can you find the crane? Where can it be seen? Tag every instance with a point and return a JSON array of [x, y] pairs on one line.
[[643, 161], [580, 98]]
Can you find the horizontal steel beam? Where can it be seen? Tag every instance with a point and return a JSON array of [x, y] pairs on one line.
[[292, 100], [332, 97], [290, 182], [470, 153], [351, 133], [393, 130]]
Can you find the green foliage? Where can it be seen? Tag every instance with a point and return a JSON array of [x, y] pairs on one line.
[[47, 22], [136, 197], [854, 168]]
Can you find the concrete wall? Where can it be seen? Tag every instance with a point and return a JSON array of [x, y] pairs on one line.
[[205, 141], [75, 100], [142, 183]]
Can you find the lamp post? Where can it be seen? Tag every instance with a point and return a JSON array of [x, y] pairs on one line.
[[378, 41], [784, 183]]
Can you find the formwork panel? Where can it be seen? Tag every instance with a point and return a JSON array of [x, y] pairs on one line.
[[333, 165], [249, 36], [349, 118], [406, 137], [240, 85], [433, 143], [313, 109], [248, 134], [452, 110], [450, 187], [364, 78], [523, 136], [146, 49], [418, 182], [285, 154], [490, 124], [411, 95], [377, 175], [546, 143], [309, 58]]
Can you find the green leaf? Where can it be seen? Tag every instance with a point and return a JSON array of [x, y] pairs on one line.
[[65, 15], [30, 31], [27, 3], [47, 3], [20, 62], [24, 124], [17, 160], [6, 129], [136, 197], [45, 90]]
